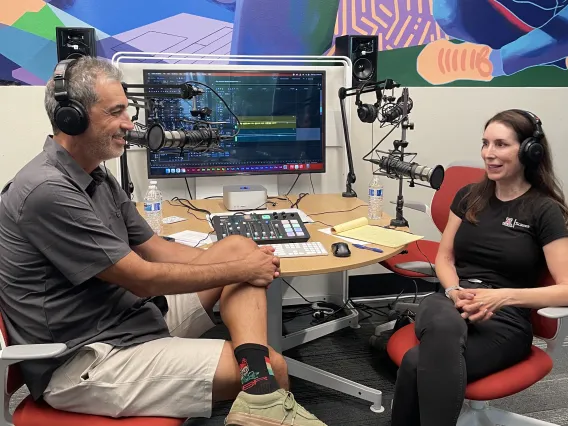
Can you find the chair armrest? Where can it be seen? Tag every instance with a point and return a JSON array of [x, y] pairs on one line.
[[553, 312], [29, 352], [416, 205], [419, 267]]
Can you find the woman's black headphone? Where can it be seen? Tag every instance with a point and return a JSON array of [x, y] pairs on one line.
[[367, 112], [531, 150], [70, 115]]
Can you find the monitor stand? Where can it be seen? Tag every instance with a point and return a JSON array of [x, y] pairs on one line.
[[213, 186]]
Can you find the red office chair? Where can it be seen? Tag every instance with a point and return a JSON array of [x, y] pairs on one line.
[[547, 324], [31, 413], [419, 260]]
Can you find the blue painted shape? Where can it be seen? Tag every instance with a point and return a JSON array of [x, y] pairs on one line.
[[228, 4], [6, 68], [115, 17], [33, 53], [283, 27], [109, 46], [71, 21], [536, 12], [44, 62]]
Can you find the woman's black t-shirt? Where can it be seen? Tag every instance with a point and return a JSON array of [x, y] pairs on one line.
[[504, 249]]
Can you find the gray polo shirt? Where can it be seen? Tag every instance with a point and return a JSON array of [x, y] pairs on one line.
[[59, 228]]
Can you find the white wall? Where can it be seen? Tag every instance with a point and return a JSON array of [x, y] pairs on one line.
[[23, 125], [448, 127]]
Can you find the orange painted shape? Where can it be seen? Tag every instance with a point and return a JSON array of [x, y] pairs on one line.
[[11, 11]]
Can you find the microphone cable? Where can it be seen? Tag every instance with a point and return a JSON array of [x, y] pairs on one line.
[[188, 190], [184, 202]]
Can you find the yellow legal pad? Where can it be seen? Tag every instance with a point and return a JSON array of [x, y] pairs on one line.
[[360, 229]]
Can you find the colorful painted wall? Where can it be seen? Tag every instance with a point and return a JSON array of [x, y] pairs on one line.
[[422, 42]]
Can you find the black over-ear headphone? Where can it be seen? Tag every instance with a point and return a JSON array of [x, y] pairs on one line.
[[70, 116], [367, 112], [531, 150]]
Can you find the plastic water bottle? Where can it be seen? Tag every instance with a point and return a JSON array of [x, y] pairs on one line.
[[153, 207], [375, 199]]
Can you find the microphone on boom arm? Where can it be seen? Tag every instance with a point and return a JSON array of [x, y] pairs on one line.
[[391, 113], [157, 138], [201, 138], [393, 166]]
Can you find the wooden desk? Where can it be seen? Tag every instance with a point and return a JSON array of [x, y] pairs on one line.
[[328, 210], [313, 205]]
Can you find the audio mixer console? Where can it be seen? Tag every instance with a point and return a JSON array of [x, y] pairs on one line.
[[271, 227]]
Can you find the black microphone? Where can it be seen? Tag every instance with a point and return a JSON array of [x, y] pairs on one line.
[[157, 138], [393, 165], [392, 112], [136, 137]]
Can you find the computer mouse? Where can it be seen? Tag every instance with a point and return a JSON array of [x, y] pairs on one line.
[[340, 250]]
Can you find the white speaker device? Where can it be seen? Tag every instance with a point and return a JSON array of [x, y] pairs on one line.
[[244, 197]]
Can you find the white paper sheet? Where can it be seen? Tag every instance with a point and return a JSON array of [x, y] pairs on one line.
[[351, 240], [173, 219], [192, 238]]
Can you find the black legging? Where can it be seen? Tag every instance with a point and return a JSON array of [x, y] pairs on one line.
[[431, 381]]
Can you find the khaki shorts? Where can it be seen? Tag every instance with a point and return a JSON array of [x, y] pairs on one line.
[[170, 377]]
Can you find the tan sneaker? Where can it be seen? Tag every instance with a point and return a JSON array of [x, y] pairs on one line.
[[274, 409], [442, 62]]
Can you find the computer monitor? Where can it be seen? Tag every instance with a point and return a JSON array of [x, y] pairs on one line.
[[282, 115]]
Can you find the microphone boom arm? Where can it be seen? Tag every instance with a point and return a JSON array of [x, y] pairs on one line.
[[386, 84], [186, 90], [202, 138], [351, 178], [400, 220], [344, 93]]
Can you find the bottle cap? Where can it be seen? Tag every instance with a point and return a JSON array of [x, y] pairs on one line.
[[153, 182]]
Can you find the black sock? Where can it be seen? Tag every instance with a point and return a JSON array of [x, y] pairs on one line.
[[257, 376]]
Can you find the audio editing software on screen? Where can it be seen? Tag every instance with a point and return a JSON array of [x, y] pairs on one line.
[[282, 119]]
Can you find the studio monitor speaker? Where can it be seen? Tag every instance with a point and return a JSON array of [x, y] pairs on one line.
[[363, 50], [73, 43]]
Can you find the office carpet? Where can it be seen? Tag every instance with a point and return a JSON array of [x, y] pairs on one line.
[[348, 354]]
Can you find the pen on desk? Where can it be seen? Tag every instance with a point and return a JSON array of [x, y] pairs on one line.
[[360, 246]]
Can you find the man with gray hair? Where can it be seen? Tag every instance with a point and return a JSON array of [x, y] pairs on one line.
[[80, 266]]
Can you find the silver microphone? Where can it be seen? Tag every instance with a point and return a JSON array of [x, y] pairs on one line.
[[394, 166], [156, 138]]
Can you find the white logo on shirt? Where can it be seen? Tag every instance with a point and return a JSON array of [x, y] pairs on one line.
[[512, 223]]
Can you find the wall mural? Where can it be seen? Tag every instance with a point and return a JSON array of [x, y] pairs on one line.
[[422, 42]]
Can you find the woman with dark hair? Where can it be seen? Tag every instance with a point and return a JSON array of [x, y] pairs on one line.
[[501, 234]]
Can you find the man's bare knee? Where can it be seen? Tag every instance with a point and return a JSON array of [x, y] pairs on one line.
[[238, 242], [234, 247]]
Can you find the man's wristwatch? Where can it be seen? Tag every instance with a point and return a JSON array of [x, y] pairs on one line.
[[447, 291]]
